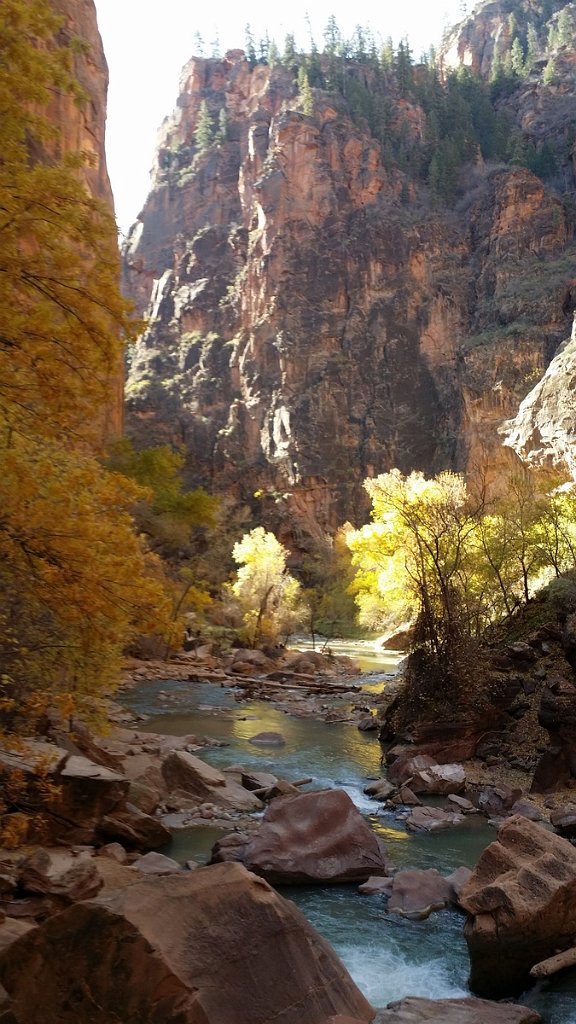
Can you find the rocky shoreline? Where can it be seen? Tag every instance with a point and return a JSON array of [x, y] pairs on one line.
[[120, 797]]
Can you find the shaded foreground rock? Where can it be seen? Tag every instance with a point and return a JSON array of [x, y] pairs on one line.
[[315, 837], [215, 945], [521, 899], [455, 1011]]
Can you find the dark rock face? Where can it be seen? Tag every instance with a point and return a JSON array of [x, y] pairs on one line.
[[521, 899], [306, 329], [215, 945]]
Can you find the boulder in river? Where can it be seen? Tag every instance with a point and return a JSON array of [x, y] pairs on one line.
[[439, 779], [189, 774], [521, 901], [268, 739], [417, 893], [455, 1011], [315, 837], [431, 819], [216, 944], [404, 767]]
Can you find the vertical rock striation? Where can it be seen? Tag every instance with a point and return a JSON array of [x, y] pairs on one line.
[[308, 324]]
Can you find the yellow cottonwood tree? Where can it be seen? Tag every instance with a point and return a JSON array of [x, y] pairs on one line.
[[75, 583], [269, 596]]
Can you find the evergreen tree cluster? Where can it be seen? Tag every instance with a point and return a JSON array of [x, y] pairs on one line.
[[384, 89]]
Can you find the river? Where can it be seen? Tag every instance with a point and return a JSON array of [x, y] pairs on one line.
[[387, 956]]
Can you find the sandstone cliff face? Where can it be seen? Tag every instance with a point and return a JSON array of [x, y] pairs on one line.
[[308, 327], [81, 130]]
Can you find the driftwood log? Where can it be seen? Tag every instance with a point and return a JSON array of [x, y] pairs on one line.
[[279, 680]]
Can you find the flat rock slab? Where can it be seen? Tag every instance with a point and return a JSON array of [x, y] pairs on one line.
[[78, 767], [33, 755], [455, 1011]]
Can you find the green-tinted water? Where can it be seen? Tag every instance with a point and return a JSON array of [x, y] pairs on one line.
[[387, 956]]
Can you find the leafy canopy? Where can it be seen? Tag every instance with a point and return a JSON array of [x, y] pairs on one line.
[[268, 595], [75, 582]]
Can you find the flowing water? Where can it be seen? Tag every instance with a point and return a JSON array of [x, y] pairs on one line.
[[387, 956]]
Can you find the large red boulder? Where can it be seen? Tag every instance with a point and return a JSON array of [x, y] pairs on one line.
[[217, 945], [315, 838], [521, 901]]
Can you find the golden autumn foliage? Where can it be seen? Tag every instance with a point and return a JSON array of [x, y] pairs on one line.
[[269, 597], [75, 580]]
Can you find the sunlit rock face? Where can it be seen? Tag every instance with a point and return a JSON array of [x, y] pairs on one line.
[[81, 127], [80, 130], [309, 323], [543, 433]]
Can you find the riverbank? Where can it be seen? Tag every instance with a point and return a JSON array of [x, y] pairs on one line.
[[339, 756]]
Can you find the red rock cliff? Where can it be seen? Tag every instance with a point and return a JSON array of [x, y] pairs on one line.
[[81, 129], [307, 326]]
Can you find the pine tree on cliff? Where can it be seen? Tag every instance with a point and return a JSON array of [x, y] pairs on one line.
[[306, 97], [204, 131]]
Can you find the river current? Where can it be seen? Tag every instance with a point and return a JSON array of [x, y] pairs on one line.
[[387, 956]]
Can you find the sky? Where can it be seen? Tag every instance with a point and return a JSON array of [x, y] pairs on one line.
[[147, 43]]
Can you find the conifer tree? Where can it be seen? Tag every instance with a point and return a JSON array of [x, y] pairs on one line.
[[204, 130], [532, 46], [305, 91]]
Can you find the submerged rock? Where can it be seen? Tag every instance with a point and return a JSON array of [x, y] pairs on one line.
[[216, 944], [418, 893]]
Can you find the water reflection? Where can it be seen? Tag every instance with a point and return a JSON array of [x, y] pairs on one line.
[[387, 956], [367, 653]]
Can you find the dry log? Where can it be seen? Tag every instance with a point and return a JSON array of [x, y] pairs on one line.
[[267, 684], [554, 964]]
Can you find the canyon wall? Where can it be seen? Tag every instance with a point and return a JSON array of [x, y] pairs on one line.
[[81, 130], [313, 319]]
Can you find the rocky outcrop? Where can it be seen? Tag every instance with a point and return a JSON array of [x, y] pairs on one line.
[[216, 944], [543, 432], [307, 328], [82, 125], [521, 905]]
